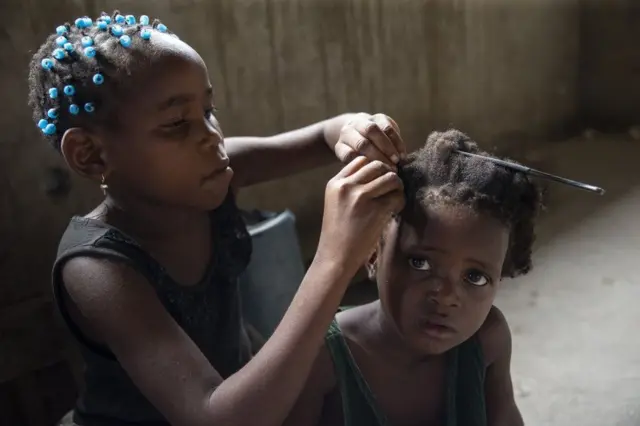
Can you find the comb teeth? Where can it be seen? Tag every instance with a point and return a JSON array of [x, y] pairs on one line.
[[533, 172]]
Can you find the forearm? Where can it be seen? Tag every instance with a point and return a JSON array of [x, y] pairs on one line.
[[266, 389], [260, 159]]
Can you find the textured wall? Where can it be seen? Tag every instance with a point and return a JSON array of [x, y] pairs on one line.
[[497, 69], [610, 63]]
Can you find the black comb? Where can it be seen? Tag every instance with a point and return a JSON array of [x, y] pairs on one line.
[[537, 173]]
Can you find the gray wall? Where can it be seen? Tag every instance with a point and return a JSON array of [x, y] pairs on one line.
[[493, 68], [501, 70], [610, 63]]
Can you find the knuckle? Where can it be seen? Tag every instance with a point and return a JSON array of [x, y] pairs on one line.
[[362, 143], [370, 128], [334, 185], [359, 195], [388, 129]]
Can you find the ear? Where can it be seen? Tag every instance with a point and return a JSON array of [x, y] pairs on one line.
[[84, 153], [372, 265]]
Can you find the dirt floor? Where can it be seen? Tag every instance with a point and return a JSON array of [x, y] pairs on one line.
[[574, 318]]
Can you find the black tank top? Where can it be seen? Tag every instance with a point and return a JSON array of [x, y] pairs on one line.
[[209, 313]]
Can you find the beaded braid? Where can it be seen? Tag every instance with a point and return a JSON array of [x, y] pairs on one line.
[[75, 77]]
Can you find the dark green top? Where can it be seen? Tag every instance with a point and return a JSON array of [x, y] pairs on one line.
[[208, 312], [465, 385]]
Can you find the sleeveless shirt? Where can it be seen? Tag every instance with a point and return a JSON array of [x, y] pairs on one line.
[[465, 399], [209, 312]]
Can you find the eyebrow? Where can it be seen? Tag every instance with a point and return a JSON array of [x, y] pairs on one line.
[[181, 99]]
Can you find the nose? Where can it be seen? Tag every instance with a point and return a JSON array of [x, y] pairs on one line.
[[444, 292], [211, 137]]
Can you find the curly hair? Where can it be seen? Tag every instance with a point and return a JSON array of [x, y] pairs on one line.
[[112, 60], [435, 173]]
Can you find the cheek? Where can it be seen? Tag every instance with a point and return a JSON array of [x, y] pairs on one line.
[[476, 306], [400, 300]]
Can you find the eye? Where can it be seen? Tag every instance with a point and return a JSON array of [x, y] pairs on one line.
[[420, 264], [174, 124], [476, 278], [208, 113]]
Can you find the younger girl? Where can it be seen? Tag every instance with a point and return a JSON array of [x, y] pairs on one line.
[[147, 282], [433, 350]]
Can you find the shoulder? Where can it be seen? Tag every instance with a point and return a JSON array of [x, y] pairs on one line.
[[495, 336], [95, 284]]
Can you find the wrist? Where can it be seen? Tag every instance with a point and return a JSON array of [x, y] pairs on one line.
[[333, 127], [337, 266]]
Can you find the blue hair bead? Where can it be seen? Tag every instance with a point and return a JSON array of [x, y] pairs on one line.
[[47, 63], [89, 107], [144, 20], [145, 34], [87, 22], [90, 51], [98, 79], [42, 123], [69, 90], [130, 19], [117, 30], [60, 41], [87, 41], [68, 47], [53, 93], [106, 18], [61, 30], [74, 109], [52, 113], [120, 19], [80, 22], [162, 28], [59, 54], [125, 41], [102, 25], [50, 129]]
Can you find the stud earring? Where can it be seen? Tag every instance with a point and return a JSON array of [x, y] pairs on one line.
[[103, 185]]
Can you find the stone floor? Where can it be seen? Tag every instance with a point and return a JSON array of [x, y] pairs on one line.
[[575, 317]]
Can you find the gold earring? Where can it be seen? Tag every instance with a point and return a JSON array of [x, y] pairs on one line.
[[103, 185]]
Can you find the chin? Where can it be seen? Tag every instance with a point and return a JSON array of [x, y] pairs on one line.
[[214, 201], [429, 346]]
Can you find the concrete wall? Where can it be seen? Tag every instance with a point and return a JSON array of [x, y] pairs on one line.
[[610, 63], [500, 70]]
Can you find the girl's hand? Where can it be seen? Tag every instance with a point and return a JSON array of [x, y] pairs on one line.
[[376, 137], [359, 201]]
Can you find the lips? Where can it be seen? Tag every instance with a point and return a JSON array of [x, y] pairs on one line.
[[436, 328], [221, 168]]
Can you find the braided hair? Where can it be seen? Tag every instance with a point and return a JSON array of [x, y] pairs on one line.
[[80, 72], [437, 174]]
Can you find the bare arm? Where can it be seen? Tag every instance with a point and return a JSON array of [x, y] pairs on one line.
[[501, 405], [260, 159], [309, 407], [116, 303], [171, 371]]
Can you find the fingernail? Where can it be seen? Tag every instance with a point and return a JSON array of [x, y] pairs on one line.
[[394, 159]]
